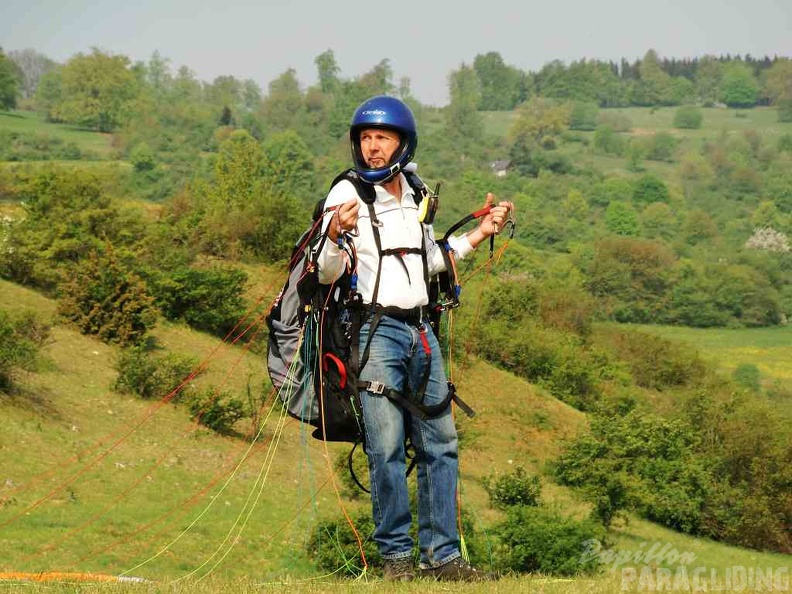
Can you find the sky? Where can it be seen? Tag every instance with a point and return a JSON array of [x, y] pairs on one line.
[[423, 40]]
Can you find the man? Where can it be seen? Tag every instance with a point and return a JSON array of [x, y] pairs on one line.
[[404, 353]]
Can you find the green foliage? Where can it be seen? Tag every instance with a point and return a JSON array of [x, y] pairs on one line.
[[738, 86], [621, 219], [657, 363], [583, 116], [648, 189], [655, 461], [9, 83], [785, 110], [688, 117], [608, 141], [105, 298], [97, 90], [21, 339], [142, 157], [334, 547], [502, 87], [153, 378], [630, 276], [67, 216], [515, 488], [28, 146], [219, 411], [538, 540], [209, 299]]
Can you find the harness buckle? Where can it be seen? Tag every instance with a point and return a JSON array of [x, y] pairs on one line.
[[376, 387]]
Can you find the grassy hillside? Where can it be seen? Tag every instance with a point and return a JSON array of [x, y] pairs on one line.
[[28, 122], [93, 481]]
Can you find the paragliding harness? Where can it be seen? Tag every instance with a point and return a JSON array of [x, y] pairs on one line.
[[314, 353]]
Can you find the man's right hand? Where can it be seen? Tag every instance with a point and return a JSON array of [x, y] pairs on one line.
[[345, 219]]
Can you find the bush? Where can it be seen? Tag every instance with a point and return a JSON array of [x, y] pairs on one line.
[[219, 411], [583, 116], [688, 117], [334, 546], [208, 299], [642, 461], [516, 488], [142, 158], [541, 540], [21, 339], [151, 378], [107, 300], [657, 363]]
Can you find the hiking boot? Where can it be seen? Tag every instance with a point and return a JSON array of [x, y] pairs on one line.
[[458, 570], [401, 569]]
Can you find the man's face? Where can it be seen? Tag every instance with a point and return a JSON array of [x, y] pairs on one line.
[[378, 146]]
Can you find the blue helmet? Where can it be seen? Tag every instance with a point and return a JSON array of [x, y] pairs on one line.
[[390, 113]]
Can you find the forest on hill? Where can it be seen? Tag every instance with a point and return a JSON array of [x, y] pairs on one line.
[[654, 192]]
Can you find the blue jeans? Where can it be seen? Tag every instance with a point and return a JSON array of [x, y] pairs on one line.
[[398, 358]]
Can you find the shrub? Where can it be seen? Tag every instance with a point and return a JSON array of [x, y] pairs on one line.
[[334, 547], [218, 411], [142, 158], [515, 488], [106, 299], [536, 539], [688, 117], [785, 110], [21, 339], [208, 299], [642, 461], [583, 116], [151, 378], [657, 363]]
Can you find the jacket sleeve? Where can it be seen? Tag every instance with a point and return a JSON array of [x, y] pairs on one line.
[[460, 247], [332, 260]]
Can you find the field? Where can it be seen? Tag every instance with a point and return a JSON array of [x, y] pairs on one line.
[[103, 483], [32, 122], [95, 482]]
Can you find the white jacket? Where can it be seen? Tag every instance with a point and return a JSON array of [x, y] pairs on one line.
[[400, 229]]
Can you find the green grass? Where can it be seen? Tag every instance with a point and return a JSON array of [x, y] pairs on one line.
[[646, 120], [32, 122], [94, 481], [770, 349]]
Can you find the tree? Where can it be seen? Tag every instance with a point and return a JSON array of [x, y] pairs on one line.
[[284, 103], [621, 219], [32, 65], [653, 85], [327, 71], [224, 91], [778, 81], [98, 90], [462, 120], [9, 82], [649, 189], [708, 80], [738, 86], [500, 84], [237, 171], [378, 80]]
